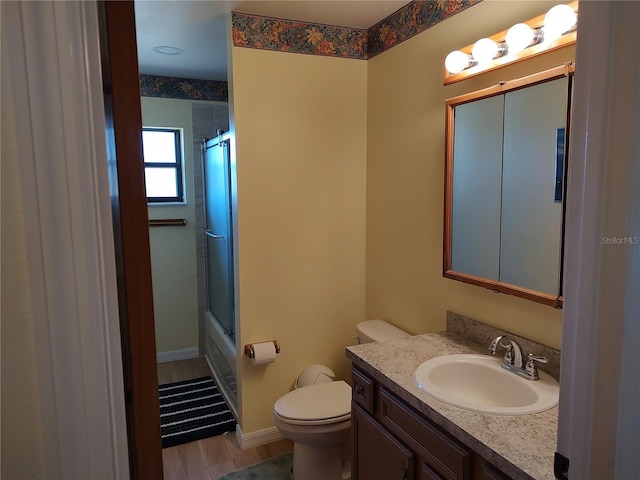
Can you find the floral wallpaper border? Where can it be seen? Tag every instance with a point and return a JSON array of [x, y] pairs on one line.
[[267, 33], [410, 20], [282, 35], [183, 88]]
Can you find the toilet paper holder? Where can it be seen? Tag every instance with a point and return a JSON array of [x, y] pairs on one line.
[[250, 352]]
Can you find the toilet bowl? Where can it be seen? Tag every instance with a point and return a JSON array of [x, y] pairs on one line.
[[316, 416]]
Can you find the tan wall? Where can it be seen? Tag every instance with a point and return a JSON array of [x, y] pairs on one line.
[[173, 249], [300, 125], [405, 179]]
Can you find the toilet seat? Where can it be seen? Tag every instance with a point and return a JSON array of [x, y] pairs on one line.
[[319, 404]]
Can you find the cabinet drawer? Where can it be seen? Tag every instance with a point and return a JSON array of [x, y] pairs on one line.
[[363, 391], [436, 448], [489, 472], [428, 473]]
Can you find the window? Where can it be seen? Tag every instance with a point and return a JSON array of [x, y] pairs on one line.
[[163, 165]]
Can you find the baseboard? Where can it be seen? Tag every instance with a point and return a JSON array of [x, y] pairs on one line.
[[255, 439], [173, 355]]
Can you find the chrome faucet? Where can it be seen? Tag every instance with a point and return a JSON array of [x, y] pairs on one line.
[[513, 354], [513, 358]]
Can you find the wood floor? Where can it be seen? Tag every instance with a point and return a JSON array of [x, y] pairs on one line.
[[212, 457]]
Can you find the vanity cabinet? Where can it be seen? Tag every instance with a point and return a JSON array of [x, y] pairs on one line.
[[391, 440]]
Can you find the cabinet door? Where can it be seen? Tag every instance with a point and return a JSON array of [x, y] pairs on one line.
[[531, 220], [376, 454]]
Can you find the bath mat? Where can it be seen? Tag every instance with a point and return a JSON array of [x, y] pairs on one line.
[[278, 468], [192, 410]]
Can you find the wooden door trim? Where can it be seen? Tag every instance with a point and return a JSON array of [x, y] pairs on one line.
[[131, 232]]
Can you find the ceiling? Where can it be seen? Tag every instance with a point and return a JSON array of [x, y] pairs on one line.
[[199, 28]]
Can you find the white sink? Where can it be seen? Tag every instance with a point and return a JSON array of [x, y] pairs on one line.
[[479, 383]]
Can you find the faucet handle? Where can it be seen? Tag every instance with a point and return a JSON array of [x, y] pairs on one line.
[[531, 368]]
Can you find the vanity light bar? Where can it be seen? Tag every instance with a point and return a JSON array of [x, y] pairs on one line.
[[555, 29]]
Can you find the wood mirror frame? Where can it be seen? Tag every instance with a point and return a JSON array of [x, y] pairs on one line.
[[501, 88]]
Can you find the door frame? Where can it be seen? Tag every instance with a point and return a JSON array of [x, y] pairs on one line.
[[121, 86]]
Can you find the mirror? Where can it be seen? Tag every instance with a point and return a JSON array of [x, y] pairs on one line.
[[504, 186]]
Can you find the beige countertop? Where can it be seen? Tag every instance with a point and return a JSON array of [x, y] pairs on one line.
[[521, 446]]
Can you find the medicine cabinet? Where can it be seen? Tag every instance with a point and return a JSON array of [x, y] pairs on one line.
[[506, 150]]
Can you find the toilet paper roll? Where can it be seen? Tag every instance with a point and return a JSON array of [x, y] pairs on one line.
[[264, 353]]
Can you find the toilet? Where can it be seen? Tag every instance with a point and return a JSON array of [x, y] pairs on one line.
[[316, 416]]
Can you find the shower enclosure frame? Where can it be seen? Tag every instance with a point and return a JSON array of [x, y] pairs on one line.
[[217, 342]]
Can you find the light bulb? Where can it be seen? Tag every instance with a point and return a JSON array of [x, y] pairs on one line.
[[558, 20], [456, 61], [484, 50], [519, 37]]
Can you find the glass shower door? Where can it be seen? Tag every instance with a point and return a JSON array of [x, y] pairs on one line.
[[218, 230]]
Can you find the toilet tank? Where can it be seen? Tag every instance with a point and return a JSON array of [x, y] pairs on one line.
[[378, 330]]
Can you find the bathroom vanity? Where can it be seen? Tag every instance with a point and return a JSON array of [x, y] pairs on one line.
[[400, 432]]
